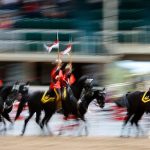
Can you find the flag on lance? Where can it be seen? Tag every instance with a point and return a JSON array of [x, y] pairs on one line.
[[54, 45], [67, 50]]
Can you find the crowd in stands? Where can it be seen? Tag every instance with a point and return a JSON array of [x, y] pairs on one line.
[[11, 10]]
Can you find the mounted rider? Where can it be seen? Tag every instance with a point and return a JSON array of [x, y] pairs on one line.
[[56, 74], [55, 77], [67, 80], [68, 76]]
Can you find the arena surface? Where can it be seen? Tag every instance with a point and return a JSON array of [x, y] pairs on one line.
[[104, 126], [73, 143]]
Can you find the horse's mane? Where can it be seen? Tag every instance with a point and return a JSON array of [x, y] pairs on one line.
[[78, 85], [82, 79], [5, 90]]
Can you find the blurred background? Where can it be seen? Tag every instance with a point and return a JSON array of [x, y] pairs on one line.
[[110, 38]]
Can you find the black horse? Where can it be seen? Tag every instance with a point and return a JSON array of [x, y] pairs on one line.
[[37, 105], [22, 97], [70, 98], [8, 94], [137, 103], [78, 108]]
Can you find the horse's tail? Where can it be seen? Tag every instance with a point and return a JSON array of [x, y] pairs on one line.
[[122, 102], [1, 104], [20, 108], [118, 102]]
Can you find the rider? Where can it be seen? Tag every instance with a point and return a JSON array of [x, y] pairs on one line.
[[1, 83], [56, 74], [68, 75], [67, 80]]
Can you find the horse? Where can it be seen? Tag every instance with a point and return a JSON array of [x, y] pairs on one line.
[[23, 97], [36, 105], [136, 103], [8, 94], [78, 108]]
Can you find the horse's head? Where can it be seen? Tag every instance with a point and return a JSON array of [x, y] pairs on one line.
[[23, 90], [16, 93], [11, 94], [99, 95]]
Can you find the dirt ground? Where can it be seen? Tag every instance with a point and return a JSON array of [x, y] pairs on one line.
[[73, 143]]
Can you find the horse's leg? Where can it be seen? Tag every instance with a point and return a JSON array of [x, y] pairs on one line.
[[20, 108], [135, 121], [38, 119], [43, 121], [49, 109], [132, 122], [126, 119], [38, 116], [6, 116], [46, 122], [26, 121], [140, 128], [3, 121], [84, 127]]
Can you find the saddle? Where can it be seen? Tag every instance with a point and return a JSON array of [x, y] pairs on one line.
[[49, 97]]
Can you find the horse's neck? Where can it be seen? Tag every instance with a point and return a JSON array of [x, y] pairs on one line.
[[78, 86], [76, 89], [88, 101], [5, 91], [85, 100], [1, 88]]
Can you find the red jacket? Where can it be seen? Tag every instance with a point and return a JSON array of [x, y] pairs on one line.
[[69, 79], [56, 76]]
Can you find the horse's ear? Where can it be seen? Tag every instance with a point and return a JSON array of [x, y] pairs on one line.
[[17, 82], [28, 83], [16, 85], [98, 88]]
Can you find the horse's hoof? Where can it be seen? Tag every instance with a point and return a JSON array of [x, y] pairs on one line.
[[59, 134], [51, 134], [41, 126], [21, 134], [121, 136], [11, 126]]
